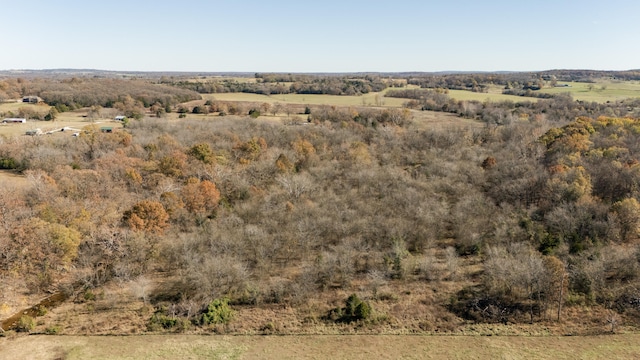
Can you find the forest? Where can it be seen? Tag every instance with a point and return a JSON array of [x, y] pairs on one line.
[[357, 219]]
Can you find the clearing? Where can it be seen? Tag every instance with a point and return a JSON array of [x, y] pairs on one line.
[[599, 91]]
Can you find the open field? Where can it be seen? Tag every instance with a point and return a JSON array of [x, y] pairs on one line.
[[238, 79], [371, 99], [10, 180], [600, 91], [470, 95], [15, 105], [424, 120], [320, 347], [311, 99]]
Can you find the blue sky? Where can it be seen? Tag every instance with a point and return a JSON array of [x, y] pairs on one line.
[[320, 36]]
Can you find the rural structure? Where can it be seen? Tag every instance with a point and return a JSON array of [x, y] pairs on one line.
[[14, 121]]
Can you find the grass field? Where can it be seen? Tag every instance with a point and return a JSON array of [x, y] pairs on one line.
[[491, 97], [14, 106], [238, 79], [310, 99], [11, 180], [371, 99], [319, 347], [601, 91]]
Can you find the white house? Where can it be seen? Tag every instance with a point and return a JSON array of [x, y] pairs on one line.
[[14, 120]]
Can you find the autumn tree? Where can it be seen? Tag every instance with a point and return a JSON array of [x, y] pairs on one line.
[[515, 273], [200, 197], [627, 216], [202, 152], [147, 215]]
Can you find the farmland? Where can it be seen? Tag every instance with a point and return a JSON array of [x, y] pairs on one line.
[[599, 91], [371, 99]]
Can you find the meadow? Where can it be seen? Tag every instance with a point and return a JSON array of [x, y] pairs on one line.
[[599, 91], [464, 95], [625, 346], [370, 99]]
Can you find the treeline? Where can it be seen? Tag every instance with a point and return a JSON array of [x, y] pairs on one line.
[[558, 108], [590, 75], [290, 84], [520, 84], [480, 82], [72, 93]]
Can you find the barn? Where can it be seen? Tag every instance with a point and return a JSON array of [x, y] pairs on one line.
[[31, 99]]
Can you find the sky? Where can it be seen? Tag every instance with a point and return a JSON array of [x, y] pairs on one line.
[[320, 36]]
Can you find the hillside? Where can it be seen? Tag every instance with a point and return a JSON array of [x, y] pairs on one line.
[[353, 220]]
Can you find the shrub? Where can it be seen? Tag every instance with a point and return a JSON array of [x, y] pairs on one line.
[[8, 163], [254, 113], [354, 310], [161, 321], [25, 324], [89, 295], [218, 312], [53, 330], [200, 110]]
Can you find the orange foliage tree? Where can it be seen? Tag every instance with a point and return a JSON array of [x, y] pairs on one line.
[[200, 197], [147, 215]]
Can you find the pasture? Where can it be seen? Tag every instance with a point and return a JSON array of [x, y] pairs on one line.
[[464, 95], [371, 99], [599, 91], [374, 99], [626, 346]]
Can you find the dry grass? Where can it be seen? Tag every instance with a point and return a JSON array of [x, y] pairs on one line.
[[320, 347], [11, 180], [371, 99], [488, 97], [439, 120]]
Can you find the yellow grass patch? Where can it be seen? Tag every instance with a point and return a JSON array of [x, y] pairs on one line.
[[320, 347], [371, 99]]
